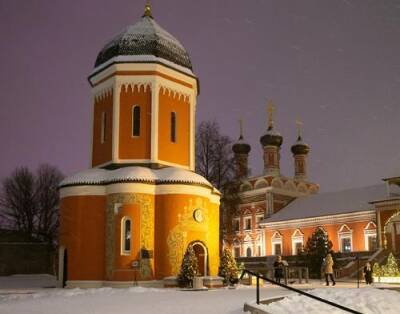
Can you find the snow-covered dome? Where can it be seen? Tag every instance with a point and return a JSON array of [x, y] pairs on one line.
[[145, 38], [271, 137], [135, 174]]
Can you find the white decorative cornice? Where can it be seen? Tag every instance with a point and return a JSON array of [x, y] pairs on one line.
[[322, 220]]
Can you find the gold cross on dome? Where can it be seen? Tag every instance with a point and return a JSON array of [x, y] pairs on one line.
[[270, 111], [299, 127], [147, 9]]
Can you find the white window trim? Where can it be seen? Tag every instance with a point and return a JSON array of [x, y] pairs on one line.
[[276, 239], [345, 235], [369, 233], [245, 224], [123, 251], [296, 240]]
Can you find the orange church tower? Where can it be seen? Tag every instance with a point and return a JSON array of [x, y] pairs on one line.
[[132, 215]]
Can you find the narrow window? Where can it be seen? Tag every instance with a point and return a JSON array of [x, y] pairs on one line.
[[248, 252], [173, 127], [136, 121], [126, 236], [103, 127]]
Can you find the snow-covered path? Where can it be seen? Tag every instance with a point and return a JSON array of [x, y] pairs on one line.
[[131, 300], [22, 294]]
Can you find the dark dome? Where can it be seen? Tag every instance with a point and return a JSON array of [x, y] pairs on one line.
[[271, 138], [300, 148], [241, 147], [145, 38]]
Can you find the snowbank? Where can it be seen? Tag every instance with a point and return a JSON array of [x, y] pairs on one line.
[[365, 300]]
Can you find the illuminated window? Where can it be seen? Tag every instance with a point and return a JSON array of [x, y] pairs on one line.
[[135, 121], [126, 232], [173, 127]]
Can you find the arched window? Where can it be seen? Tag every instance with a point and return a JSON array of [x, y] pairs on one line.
[[135, 121], [248, 252], [126, 232], [173, 127], [103, 127]]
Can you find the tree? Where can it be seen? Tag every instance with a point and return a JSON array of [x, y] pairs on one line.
[[391, 269], [189, 268], [228, 268], [214, 158], [318, 246], [47, 201], [30, 203]]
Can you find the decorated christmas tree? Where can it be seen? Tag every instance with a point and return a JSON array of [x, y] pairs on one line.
[[228, 268], [189, 268], [318, 246], [391, 269], [377, 270]]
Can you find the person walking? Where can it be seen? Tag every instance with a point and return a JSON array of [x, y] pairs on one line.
[[278, 267], [368, 273], [329, 269]]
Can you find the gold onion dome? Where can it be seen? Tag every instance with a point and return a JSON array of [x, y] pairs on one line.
[[300, 148], [271, 137]]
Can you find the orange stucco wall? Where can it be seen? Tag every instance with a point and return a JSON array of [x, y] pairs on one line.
[[332, 230], [102, 152], [122, 263], [174, 213], [82, 225], [178, 152], [83, 234], [135, 147]]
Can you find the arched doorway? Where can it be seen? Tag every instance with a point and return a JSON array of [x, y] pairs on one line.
[[201, 254], [248, 252], [392, 233]]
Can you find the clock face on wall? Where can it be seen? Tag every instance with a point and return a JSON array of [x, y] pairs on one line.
[[198, 215]]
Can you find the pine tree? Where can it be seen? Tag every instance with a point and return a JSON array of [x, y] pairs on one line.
[[391, 269], [318, 245], [377, 270], [228, 268], [189, 268]]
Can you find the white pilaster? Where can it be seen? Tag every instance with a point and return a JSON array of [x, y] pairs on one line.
[[115, 125], [155, 88]]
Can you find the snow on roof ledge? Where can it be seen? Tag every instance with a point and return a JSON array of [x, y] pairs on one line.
[[137, 174], [141, 59]]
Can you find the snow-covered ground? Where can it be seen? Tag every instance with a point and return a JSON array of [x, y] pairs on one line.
[[33, 295], [366, 300]]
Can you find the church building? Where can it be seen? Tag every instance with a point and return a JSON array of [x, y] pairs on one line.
[[131, 216], [276, 215]]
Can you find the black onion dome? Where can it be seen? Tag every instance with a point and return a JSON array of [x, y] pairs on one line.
[[241, 147], [300, 148], [271, 138], [145, 38]]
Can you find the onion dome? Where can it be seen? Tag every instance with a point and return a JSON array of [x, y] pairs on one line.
[[300, 148], [271, 138], [145, 38], [241, 147]]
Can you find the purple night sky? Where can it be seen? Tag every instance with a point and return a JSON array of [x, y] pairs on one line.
[[333, 64]]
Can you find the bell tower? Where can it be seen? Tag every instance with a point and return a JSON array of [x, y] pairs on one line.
[[144, 100]]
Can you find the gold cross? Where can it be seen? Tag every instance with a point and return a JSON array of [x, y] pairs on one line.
[[299, 126], [241, 127], [270, 111]]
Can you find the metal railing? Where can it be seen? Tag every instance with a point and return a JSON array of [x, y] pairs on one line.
[[258, 276]]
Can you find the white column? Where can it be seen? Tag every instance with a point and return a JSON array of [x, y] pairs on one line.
[[155, 88], [115, 125], [192, 138]]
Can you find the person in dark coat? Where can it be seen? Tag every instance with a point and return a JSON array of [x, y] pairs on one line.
[[278, 267], [368, 273]]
